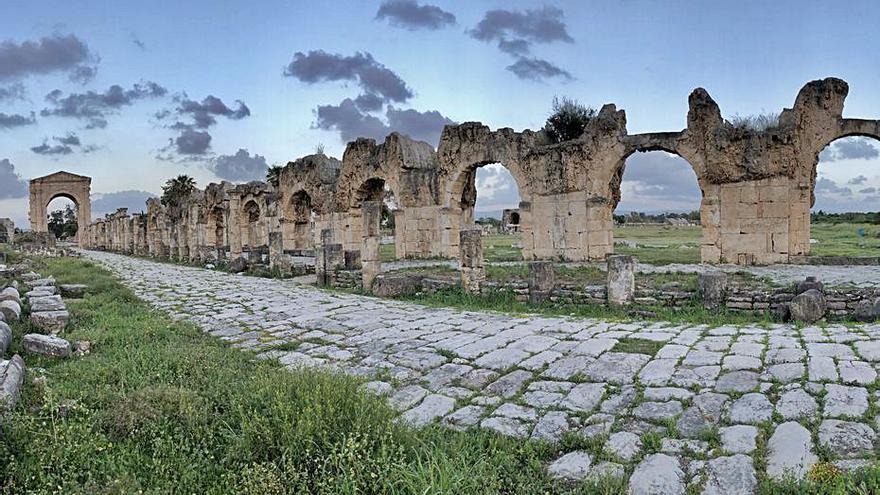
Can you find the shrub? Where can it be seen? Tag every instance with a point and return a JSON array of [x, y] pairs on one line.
[[568, 120], [758, 123]]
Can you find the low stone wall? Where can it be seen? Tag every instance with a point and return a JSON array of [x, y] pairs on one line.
[[835, 260], [840, 302]]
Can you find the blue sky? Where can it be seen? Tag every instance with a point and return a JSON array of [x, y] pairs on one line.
[[644, 56]]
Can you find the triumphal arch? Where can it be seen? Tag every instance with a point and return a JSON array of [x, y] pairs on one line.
[[76, 188]]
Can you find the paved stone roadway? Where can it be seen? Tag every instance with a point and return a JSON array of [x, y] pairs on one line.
[[782, 398]]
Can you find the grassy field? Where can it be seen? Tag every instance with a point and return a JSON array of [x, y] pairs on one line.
[[841, 239]]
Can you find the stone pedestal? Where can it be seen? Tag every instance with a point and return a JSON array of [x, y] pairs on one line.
[[713, 289], [471, 256], [621, 279], [329, 257], [541, 280]]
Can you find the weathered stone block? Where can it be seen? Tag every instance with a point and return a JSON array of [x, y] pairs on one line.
[[11, 310], [541, 280], [808, 307], [713, 289], [45, 345], [74, 291], [396, 285], [47, 303], [621, 279], [11, 379], [50, 321], [471, 248]]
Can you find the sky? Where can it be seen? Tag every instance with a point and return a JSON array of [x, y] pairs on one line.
[[132, 93]]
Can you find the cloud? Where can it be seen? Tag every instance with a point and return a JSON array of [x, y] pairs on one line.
[[850, 148], [868, 190], [134, 200], [855, 181], [373, 77], [515, 32], [94, 107], [66, 145], [496, 190], [239, 167], [16, 120], [12, 92], [47, 149], [408, 14], [351, 123], [204, 113], [658, 182], [536, 69], [828, 186], [423, 126], [11, 184], [192, 142], [136, 41], [56, 53], [193, 118]]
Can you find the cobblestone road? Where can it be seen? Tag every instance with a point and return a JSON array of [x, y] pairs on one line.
[[706, 409]]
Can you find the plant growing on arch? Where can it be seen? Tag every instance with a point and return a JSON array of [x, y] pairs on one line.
[[568, 120]]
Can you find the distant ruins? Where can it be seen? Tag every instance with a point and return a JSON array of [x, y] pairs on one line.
[[757, 190], [7, 231]]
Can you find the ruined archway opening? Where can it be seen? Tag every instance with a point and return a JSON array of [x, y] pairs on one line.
[[251, 238], [377, 189], [845, 212], [62, 213], [217, 227], [299, 224], [490, 198], [656, 214]]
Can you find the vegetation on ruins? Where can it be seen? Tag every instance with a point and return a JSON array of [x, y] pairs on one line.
[[63, 223], [176, 190], [568, 120], [273, 175], [756, 122]]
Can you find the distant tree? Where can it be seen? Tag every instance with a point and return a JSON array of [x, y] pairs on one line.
[[177, 189], [319, 149], [273, 175], [568, 120], [387, 220], [62, 223], [489, 221]]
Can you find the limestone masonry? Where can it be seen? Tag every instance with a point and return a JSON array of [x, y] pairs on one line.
[[757, 190]]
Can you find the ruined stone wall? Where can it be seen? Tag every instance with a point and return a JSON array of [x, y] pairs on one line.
[[757, 188], [7, 230]]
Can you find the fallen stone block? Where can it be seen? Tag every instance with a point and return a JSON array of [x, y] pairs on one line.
[[10, 294], [396, 285], [46, 290], [11, 310], [41, 282], [30, 276], [5, 337], [11, 378], [47, 303], [74, 291], [45, 345], [50, 321]]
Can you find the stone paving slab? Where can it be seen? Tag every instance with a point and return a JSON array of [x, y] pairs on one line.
[[807, 394]]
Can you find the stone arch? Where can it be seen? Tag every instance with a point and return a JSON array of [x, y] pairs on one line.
[[217, 226], [708, 202], [374, 188], [75, 187]]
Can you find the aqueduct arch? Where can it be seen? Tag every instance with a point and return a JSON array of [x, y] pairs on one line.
[[75, 187]]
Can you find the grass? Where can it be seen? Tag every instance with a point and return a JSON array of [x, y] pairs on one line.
[[639, 346], [840, 239], [159, 407], [662, 245]]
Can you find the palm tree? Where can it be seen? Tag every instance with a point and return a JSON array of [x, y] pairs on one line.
[[273, 175], [176, 189]]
